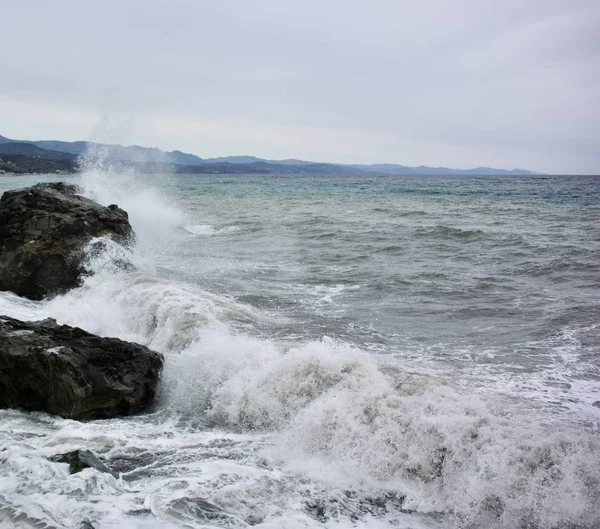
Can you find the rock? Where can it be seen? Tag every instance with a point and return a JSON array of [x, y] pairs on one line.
[[69, 372], [43, 231], [354, 506], [80, 459], [597, 404], [61, 187]]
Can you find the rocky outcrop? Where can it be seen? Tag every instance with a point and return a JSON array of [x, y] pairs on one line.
[[69, 372], [43, 232]]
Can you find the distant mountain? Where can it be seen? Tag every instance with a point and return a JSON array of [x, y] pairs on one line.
[[391, 169], [254, 159], [71, 147], [155, 160], [28, 149], [120, 153], [25, 158], [234, 159]]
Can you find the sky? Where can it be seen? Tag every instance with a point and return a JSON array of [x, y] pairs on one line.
[[454, 83]]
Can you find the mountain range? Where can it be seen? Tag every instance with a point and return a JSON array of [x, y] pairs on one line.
[[64, 156]]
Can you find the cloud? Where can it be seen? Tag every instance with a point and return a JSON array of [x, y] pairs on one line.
[[440, 83]]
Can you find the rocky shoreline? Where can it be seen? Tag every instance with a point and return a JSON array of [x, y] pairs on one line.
[[57, 369]]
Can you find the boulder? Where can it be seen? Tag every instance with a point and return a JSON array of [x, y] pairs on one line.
[[80, 459], [43, 232], [69, 372]]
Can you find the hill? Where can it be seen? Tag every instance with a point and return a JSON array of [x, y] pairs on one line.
[[150, 159], [25, 158]]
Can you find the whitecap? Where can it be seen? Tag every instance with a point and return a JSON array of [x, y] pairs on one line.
[[200, 229]]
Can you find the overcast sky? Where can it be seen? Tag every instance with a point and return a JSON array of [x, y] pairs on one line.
[[457, 83]]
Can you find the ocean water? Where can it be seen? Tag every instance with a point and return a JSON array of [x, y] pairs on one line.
[[408, 352]]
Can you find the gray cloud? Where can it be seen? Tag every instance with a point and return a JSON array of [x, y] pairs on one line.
[[455, 83]]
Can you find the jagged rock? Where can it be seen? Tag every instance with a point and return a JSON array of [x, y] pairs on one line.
[[43, 231], [80, 459], [350, 504], [69, 372]]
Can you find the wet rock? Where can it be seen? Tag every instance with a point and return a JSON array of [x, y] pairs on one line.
[[62, 187], [318, 510], [354, 506], [69, 372], [80, 459], [43, 231]]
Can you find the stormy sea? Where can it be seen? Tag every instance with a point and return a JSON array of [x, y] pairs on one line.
[[340, 352]]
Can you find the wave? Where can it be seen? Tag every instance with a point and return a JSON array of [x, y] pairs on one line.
[[209, 229], [448, 232], [335, 410], [330, 411], [200, 229], [336, 414]]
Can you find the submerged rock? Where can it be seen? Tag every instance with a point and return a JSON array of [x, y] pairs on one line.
[[80, 459], [69, 372], [356, 507], [43, 231]]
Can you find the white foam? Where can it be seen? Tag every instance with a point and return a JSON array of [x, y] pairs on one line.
[[340, 419], [20, 308], [332, 291], [200, 229], [209, 229], [22, 332]]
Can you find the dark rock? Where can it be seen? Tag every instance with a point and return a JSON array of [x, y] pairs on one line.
[[80, 459], [318, 510], [43, 232], [139, 512], [61, 187], [69, 372], [597, 404], [354, 506]]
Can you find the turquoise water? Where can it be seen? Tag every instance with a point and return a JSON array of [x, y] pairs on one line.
[[381, 352]]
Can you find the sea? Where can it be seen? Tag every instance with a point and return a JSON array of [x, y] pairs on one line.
[[409, 352]]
